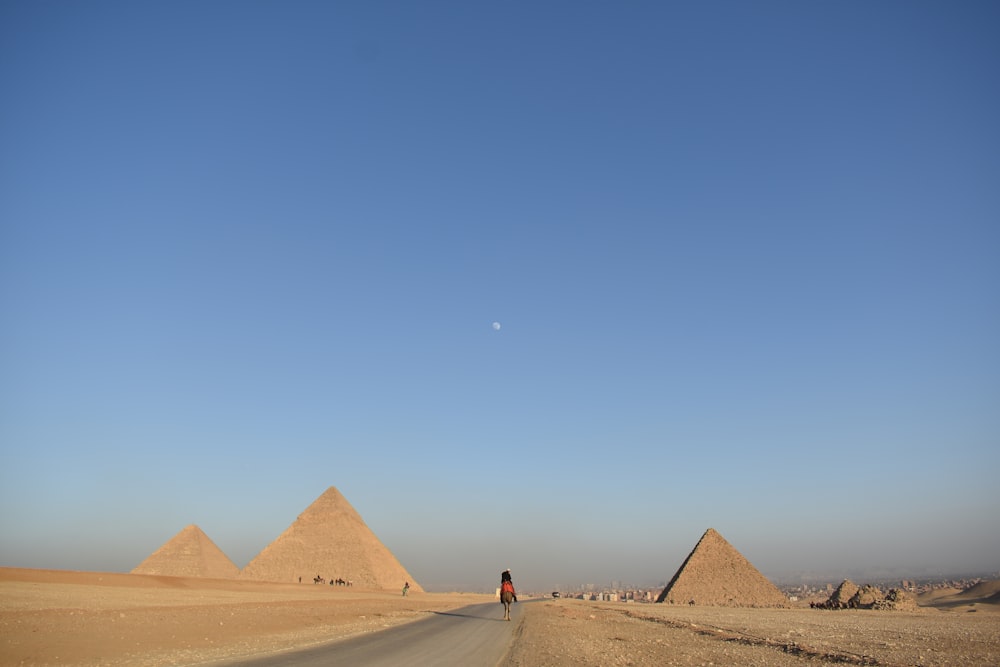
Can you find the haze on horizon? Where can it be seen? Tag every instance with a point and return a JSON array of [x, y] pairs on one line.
[[745, 257]]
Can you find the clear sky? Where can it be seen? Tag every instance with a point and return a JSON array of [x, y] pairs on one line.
[[745, 258]]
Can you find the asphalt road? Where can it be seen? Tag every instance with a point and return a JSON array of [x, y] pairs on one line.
[[473, 636]]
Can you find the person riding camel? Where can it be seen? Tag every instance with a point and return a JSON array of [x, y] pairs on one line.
[[506, 584]]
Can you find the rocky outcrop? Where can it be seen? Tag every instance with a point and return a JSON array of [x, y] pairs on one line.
[[866, 597], [897, 600], [849, 596], [842, 595]]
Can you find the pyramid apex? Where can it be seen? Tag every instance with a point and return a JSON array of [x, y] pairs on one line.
[[192, 531], [332, 497]]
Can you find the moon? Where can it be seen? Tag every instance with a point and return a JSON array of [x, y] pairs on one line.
[[496, 326]]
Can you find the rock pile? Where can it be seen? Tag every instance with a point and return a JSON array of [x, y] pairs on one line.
[[897, 600], [849, 596], [866, 597], [841, 597]]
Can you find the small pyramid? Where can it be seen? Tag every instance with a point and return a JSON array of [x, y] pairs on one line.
[[189, 553], [716, 574], [840, 597], [330, 540]]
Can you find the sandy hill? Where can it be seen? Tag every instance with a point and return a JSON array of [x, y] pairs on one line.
[[984, 590], [329, 539], [189, 553], [928, 598], [716, 574]]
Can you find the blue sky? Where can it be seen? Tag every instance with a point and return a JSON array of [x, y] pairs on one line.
[[745, 258]]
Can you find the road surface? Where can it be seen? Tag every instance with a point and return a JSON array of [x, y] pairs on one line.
[[473, 636]]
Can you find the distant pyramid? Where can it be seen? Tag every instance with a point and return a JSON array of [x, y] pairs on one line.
[[330, 540], [840, 597], [189, 553], [716, 574]]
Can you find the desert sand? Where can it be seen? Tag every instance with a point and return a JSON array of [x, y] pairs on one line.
[[55, 617], [560, 633], [85, 618]]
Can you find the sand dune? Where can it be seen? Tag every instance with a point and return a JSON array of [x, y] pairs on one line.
[[983, 595], [983, 591], [928, 598]]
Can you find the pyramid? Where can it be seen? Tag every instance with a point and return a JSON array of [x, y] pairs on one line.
[[840, 597], [329, 540], [716, 574], [189, 553]]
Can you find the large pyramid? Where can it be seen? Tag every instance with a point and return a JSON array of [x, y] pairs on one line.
[[330, 540], [716, 574], [189, 553]]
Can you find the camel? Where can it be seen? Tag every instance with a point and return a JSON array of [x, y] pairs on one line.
[[506, 597]]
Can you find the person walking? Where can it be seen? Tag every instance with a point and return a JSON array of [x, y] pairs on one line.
[[406, 587]]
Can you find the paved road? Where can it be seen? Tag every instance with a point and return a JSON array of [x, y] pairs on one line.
[[473, 636]]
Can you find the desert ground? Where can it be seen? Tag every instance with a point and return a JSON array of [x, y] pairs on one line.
[[87, 618]]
